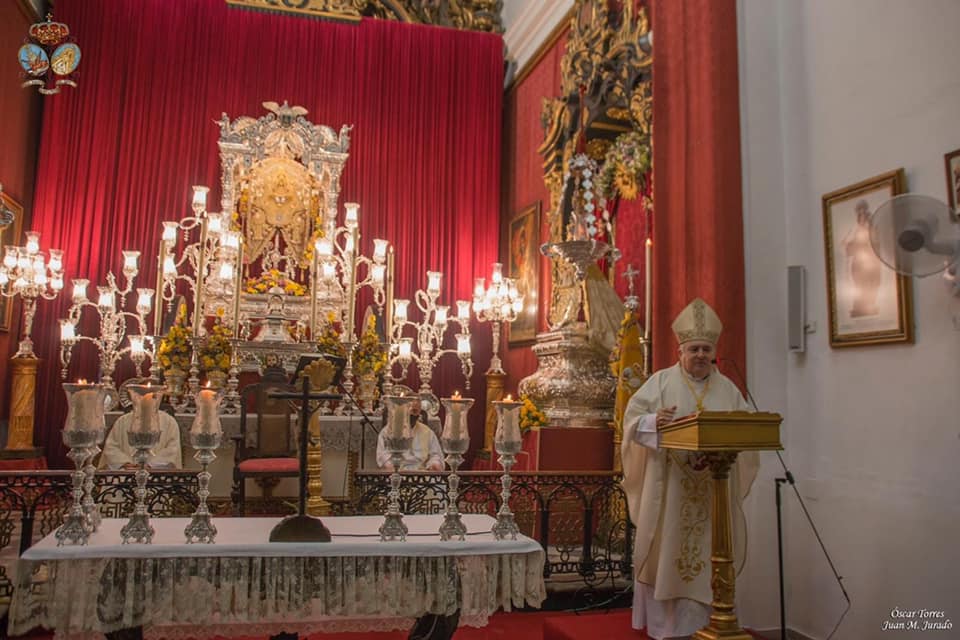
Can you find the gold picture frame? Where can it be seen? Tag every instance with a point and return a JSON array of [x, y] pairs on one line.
[[523, 265], [868, 302], [9, 236], [951, 163]]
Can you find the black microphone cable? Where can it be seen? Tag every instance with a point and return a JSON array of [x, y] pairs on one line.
[[790, 479]]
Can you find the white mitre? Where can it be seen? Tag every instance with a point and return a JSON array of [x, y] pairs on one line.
[[698, 321]]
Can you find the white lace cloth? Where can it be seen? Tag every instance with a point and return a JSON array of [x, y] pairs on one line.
[[245, 585]]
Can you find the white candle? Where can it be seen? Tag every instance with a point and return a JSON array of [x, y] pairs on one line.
[[148, 415], [648, 293], [455, 426], [399, 420], [85, 406], [508, 424], [208, 419]]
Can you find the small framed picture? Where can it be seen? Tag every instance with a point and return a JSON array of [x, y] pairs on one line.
[[9, 237], [952, 164], [523, 265], [868, 302]]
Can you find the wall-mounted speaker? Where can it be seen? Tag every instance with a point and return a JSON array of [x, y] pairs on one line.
[[796, 308]]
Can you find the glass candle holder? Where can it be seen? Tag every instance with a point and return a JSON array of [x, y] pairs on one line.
[[397, 441], [82, 430], [455, 440], [143, 435], [206, 433], [507, 441]]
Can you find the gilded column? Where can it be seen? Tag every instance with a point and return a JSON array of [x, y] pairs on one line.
[[316, 504], [22, 402], [723, 619], [494, 392]]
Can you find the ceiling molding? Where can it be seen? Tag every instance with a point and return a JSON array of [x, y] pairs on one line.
[[533, 26]]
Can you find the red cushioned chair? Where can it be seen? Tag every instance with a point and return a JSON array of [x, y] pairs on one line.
[[272, 455]]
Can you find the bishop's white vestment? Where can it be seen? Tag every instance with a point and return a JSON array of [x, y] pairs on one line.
[[424, 450], [670, 501], [118, 452]]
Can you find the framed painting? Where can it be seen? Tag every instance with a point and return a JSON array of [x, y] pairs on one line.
[[9, 236], [952, 163], [868, 302], [523, 265]]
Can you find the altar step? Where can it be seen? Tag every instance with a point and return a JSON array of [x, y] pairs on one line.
[[613, 624]]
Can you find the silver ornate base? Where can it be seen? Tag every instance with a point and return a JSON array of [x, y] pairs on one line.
[[505, 526], [91, 509], [138, 528], [393, 527], [453, 526], [201, 528], [572, 385], [76, 527]]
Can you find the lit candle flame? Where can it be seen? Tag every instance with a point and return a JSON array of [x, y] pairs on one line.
[[456, 395], [509, 398], [82, 381]]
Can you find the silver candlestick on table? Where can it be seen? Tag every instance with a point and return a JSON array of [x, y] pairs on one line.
[[84, 425], [455, 440], [507, 441], [143, 436], [397, 441], [205, 436]]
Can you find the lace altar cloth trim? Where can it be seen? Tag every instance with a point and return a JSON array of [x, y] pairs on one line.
[[183, 597]]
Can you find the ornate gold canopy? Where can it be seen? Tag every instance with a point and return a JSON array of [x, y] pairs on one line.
[[471, 15], [606, 92]]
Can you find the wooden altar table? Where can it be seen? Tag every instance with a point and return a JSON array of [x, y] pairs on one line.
[[245, 585]]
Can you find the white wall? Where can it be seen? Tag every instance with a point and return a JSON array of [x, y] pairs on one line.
[[832, 93]]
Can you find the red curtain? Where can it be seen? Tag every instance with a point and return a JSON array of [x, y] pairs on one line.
[[698, 221], [119, 153]]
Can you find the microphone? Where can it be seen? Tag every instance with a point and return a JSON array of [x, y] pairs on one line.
[[743, 381], [789, 478]]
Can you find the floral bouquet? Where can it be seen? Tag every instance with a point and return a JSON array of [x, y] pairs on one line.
[[369, 356], [174, 350], [275, 278], [530, 415], [328, 338], [216, 352], [625, 166]]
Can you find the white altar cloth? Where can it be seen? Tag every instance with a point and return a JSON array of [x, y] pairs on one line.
[[245, 585]]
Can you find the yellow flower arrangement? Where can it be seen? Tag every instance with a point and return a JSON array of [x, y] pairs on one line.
[[328, 338], [530, 415], [174, 349], [369, 356], [625, 166], [216, 352], [275, 278]]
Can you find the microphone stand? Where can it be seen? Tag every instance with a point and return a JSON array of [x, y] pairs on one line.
[[365, 422], [779, 482]]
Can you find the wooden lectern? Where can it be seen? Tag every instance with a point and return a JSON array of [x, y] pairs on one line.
[[722, 435]]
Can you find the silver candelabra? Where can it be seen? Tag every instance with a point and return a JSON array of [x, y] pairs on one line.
[[28, 273], [430, 334], [500, 302]]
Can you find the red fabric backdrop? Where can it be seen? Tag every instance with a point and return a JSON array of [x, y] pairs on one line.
[[119, 154], [698, 218]]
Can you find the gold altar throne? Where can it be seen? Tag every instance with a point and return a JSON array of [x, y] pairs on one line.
[[722, 435]]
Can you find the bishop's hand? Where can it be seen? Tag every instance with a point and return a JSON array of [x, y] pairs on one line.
[[665, 415]]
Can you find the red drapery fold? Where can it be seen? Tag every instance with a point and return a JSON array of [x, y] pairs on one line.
[[698, 220], [119, 154]]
